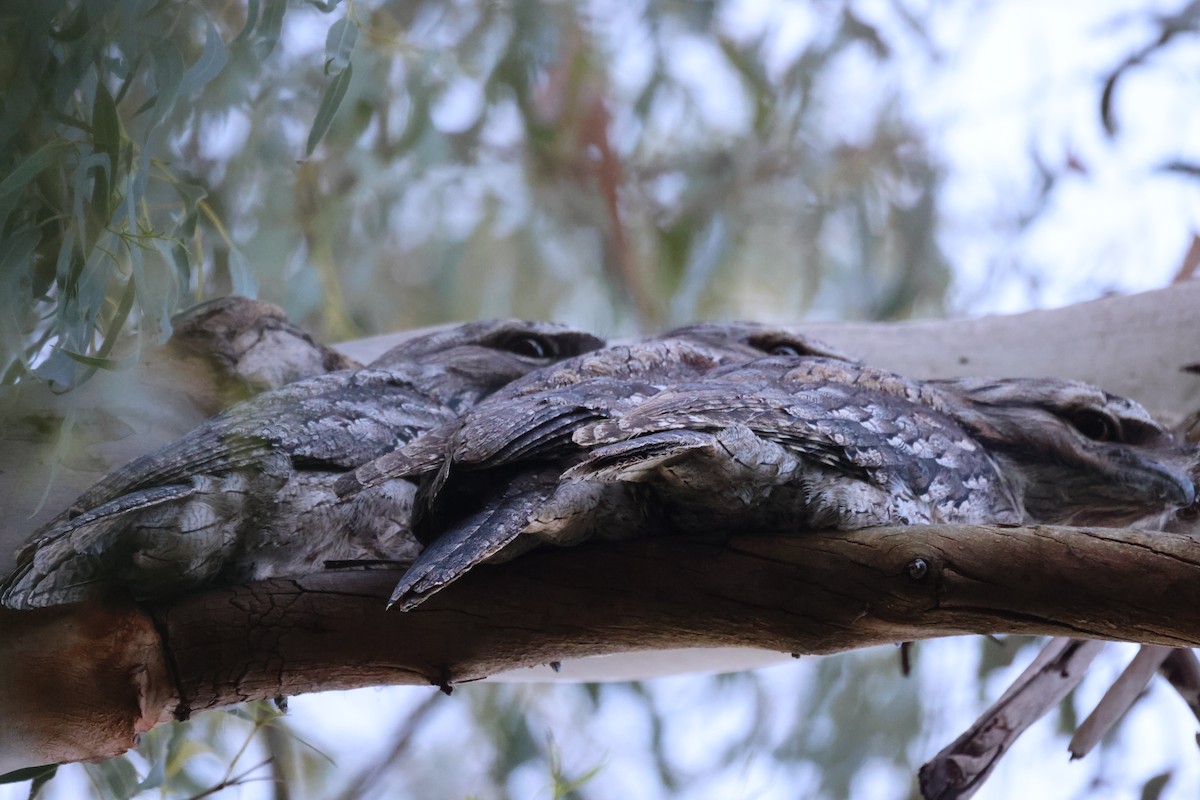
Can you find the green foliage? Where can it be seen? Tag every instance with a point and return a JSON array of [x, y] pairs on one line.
[[35, 774], [451, 160], [103, 229], [199, 758]]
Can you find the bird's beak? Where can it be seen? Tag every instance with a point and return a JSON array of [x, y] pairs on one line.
[[1173, 486]]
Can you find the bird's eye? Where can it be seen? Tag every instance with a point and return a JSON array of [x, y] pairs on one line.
[[530, 346], [1095, 426]]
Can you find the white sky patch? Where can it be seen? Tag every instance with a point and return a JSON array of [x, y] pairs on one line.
[[224, 135], [305, 32], [699, 65], [504, 129], [1025, 77], [790, 27], [458, 106]]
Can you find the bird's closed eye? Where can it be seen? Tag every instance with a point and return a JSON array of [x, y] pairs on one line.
[[528, 345], [777, 347], [1095, 425]]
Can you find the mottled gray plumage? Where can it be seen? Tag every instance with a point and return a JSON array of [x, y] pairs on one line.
[[1076, 454], [793, 444], [503, 458], [250, 347], [837, 445], [225, 502]]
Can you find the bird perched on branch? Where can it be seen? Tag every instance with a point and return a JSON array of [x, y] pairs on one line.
[[235, 348], [503, 458], [226, 501], [788, 443]]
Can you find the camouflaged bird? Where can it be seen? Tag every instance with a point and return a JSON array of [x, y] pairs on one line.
[[250, 494], [235, 348], [794, 444], [779, 445], [485, 474]]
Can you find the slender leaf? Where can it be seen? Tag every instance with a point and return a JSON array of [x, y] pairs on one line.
[[168, 75], [334, 94], [113, 364], [93, 164], [28, 773], [339, 44], [75, 27], [116, 777], [272, 24], [212, 60], [191, 194], [16, 262], [45, 156], [58, 371], [241, 276], [253, 12], [39, 781], [106, 139]]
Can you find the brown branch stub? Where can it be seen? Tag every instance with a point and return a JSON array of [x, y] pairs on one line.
[[80, 682]]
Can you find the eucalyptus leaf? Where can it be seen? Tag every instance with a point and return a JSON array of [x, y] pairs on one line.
[[212, 60], [106, 140], [28, 773], [16, 261], [115, 777], [334, 93], [191, 193], [45, 156], [168, 76], [253, 13], [39, 781], [58, 370], [269, 28], [240, 274], [339, 44], [75, 27], [112, 364]]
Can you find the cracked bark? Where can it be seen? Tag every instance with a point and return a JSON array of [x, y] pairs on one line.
[[816, 593]]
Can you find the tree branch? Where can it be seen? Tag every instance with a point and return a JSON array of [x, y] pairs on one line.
[[811, 593], [80, 682]]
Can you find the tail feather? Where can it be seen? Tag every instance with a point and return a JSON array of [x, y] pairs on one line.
[[73, 561], [481, 537], [420, 457], [634, 457]]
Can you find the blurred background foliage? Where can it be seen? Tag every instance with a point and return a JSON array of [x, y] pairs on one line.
[[373, 165]]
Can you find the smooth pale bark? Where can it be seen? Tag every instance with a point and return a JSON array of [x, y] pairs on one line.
[[117, 670], [1136, 346]]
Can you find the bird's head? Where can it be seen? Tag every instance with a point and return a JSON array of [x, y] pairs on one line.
[[479, 357], [754, 339], [1076, 454]]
